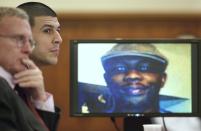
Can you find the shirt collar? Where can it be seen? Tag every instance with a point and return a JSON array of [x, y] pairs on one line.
[[7, 76]]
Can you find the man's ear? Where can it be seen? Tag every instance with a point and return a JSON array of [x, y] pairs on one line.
[[163, 79], [107, 78]]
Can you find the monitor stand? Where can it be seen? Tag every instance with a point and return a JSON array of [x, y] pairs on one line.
[[135, 123]]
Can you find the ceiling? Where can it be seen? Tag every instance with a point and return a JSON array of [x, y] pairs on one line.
[[119, 6]]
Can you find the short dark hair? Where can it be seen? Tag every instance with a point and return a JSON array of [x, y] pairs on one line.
[[34, 9]]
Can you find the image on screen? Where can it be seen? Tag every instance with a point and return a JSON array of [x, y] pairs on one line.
[[134, 78]]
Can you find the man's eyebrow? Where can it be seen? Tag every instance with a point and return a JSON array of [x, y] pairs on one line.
[[51, 26]]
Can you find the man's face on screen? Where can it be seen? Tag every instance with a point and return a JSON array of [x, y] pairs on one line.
[[135, 83]]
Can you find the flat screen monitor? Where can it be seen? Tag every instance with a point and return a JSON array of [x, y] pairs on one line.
[[138, 77]]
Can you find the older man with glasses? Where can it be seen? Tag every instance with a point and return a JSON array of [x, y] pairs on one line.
[[21, 81], [20, 40]]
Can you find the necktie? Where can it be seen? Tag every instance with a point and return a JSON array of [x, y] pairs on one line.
[[23, 94]]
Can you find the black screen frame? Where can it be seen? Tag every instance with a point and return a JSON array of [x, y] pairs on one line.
[[196, 108]]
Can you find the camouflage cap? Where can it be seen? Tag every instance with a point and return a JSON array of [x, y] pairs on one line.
[[134, 49]]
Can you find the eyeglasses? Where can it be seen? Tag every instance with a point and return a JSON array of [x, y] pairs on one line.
[[20, 40]]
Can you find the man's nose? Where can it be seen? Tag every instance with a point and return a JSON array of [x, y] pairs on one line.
[[27, 47], [57, 38], [133, 76]]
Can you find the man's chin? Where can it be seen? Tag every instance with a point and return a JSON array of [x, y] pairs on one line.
[[17, 69], [49, 61], [45, 60], [54, 62], [133, 105]]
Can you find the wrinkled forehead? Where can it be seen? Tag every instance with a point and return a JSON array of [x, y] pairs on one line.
[[15, 25]]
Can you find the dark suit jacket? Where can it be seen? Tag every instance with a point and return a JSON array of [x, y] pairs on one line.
[[16, 116]]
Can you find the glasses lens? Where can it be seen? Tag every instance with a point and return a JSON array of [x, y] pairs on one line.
[[32, 43]]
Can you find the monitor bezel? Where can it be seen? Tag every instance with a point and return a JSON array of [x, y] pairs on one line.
[[196, 111]]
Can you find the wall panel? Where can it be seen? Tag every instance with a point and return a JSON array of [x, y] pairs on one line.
[[109, 27]]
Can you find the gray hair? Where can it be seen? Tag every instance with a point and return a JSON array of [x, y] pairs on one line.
[[9, 11]]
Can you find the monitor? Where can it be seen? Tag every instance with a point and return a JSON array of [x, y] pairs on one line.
[[138, 77]]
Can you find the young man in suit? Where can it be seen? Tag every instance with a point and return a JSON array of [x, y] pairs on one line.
[[46, 34]]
